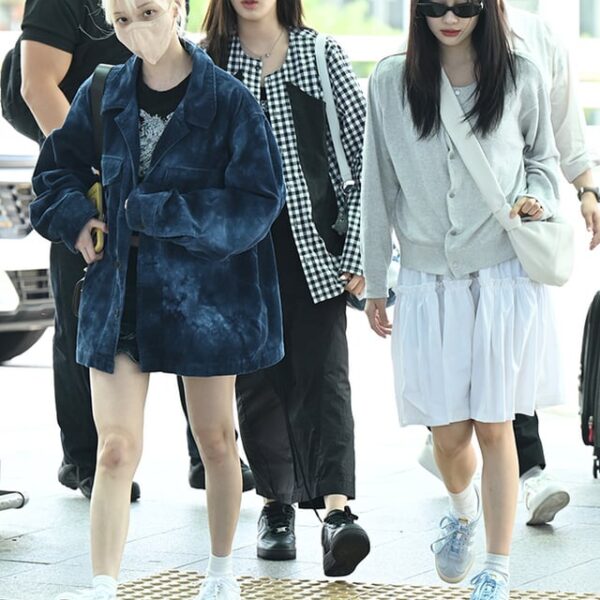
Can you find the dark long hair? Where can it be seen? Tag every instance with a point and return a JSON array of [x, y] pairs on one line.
[[220, 23], [494, 68]]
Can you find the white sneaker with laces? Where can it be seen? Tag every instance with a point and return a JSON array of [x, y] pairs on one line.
[[427, 458], [219, 588], [544, 498]]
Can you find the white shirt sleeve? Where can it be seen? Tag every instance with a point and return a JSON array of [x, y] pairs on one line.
[[567, 116]]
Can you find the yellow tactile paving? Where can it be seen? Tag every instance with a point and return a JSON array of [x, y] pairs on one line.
[[183, 585]]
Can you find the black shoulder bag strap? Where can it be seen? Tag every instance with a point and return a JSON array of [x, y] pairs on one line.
[[97, 91]]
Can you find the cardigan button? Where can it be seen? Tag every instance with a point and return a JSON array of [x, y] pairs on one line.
[[452, 195]]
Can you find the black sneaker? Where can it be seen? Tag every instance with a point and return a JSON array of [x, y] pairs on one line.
[[72, 477], [68, 475], [345, 544], [276, 533], [197, 476]]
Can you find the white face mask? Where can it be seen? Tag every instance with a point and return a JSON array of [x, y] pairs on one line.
[[148, 39]]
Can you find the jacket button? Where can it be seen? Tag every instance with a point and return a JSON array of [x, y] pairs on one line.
[[452, 195]]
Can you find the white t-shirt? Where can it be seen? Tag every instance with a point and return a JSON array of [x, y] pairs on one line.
[[533, 38]]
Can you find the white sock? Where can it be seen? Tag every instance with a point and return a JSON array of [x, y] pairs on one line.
[[220, 566], [465, 504], [498, 563], [106, 582], [533, 472]]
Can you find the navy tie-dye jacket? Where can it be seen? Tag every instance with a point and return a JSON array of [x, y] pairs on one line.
[[207, 290]]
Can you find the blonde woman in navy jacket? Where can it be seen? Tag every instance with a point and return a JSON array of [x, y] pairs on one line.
[[187, 282]]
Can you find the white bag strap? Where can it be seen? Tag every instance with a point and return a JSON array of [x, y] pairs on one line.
[[332, 115], [472, 154]]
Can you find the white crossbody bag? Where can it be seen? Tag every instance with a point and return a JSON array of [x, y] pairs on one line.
[[545, 249]]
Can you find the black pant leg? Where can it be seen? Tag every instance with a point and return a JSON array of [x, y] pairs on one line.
[[71, 381], [320, 410], [295, 418], [264, 433], [529, 444]]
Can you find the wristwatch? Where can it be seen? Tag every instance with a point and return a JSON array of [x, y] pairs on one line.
[[592, 190]]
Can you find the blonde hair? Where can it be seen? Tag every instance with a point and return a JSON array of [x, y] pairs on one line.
[[108, 7]]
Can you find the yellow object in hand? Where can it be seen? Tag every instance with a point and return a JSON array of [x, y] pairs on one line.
[[95, 195]]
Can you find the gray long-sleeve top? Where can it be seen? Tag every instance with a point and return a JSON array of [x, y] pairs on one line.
[[422, 190]]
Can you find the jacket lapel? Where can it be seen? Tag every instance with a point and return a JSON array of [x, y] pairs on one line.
[[174, 132], [128, 123], [198, 108]]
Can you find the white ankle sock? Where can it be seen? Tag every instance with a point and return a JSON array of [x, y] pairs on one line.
[[533, 472], [220, 566], [465, 504], [498, 563], [105, 582]]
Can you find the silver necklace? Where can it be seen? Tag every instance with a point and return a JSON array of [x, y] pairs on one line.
[[266, 55]]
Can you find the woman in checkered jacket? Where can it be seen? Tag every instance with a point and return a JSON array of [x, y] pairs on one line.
[[296, 418]]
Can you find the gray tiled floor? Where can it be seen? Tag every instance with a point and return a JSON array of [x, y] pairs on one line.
[[43, 548]]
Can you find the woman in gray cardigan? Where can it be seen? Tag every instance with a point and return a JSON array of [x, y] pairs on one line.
[[473, 337]]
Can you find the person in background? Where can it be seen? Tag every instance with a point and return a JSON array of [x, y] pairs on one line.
[[186, 282], [63, 41], [473, 337], [296, 420], [543, 496]]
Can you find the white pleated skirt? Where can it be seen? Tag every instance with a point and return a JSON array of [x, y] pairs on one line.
[[483, 348]]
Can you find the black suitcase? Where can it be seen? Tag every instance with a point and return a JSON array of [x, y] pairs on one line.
[[589, 382]]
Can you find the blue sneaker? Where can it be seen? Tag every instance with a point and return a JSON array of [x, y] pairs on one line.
[[454, 555], [490, 585]]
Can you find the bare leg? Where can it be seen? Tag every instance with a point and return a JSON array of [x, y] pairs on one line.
[[335, 502], [500, 482], [118, 402], [210, 410], [455, 455]]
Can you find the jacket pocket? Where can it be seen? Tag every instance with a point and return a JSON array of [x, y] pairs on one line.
[[110, 169]]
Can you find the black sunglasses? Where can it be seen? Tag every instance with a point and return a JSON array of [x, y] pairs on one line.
[[464, 10]]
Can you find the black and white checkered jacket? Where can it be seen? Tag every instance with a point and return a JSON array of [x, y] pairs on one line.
[[299, 74]]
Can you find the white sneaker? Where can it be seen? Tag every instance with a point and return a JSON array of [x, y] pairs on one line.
[[427, 458], [219, 588], [98, 593], [543, 499]]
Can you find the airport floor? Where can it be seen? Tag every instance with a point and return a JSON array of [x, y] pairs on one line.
[[44, 546]]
